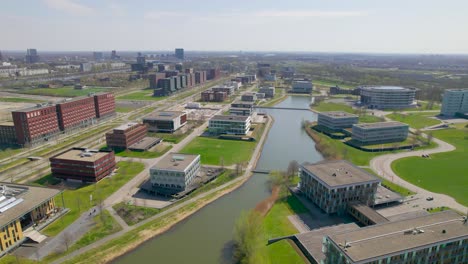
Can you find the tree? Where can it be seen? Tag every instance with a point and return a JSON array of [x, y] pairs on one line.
[[292, 170], [249, 239], [67, 239], [429, 137]]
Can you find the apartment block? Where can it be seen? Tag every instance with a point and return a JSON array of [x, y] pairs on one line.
[[35, 125], [229, 124], [337, 120], [104, 104], [332, 185], [77, 112], [83, 164], [380, 132], [454, 101]]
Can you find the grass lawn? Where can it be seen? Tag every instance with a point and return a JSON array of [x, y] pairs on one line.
[[441, 173], [213, 149], [6, 152], [415, 120], [78, 200], [276, 224], [325, 107], [328, 84], [160, 150], [123, 109], [133, 214], [66, 91], [141, 95], [19, 100], [392, 186]]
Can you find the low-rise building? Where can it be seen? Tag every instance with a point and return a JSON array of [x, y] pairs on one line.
[[24, 210], [434, 238], [174, 173], [454, 101], [337, 120], [227, 89], [126, 135], [167, 121], [388, 97], [249, 97], [7, 133], [241, 108], [83, 164], [339, 90], [268, 91], [332, 185], [229, 124], [302, 86], [380, 132], [212, 96]]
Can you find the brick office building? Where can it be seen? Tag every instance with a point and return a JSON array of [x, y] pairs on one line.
[[83, 164], [75, 113], [35, 124], [154, 79], [200, 77], [104, 104], [213, 74], [126, 135]]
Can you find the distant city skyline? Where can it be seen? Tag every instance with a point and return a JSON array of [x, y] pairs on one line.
[[363, 26]]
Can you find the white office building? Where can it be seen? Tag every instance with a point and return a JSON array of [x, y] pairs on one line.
[[388, 97], [454, 101], [229, 124], [337, 120], [380, 132]]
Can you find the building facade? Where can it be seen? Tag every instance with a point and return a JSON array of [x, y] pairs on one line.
[[380, 132], [104, 104], [249, 97], [302, 87], [83, 164], [222, 124], [434, 238], [268, 91], [332, 185], [179, 54], [174, 173], [8, 134], [126, 135], [154, 79], [168, 121], [388, 97], [74, 113], [454, 101], [337, 120]]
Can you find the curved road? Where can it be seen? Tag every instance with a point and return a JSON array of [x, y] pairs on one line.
[[382, 166]]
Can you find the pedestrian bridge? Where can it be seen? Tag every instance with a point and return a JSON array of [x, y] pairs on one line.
[[261, 171]]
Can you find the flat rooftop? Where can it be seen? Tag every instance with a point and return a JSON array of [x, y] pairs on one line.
[[370, 213], [175, 162], [7, 123], [380, 125], [229, 118], [393, 237], [82, 155], [26, 198], [242, 102], [388, 88], [126, 126], [33, 108], [339, 172], [312, 241], [166, 115], [338, 114]]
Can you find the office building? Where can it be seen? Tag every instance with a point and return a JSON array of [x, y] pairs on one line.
[[162, 67], [114, 55], [98, 56], [189, 70], [270, 77], [31, 56], [212, 74], [179, 54], [104, 104], [124, 136], [86, 67], [249, 97], [380, 132], [154, 79], [77, 112], [388, 97], [212, 96], [141, 59], [302, 86], [174, 173], [36, 125], [434, 238], [331, 185], [339, 90], [241, 108], [24, 211], [7, 133], [166, 86], [268, 91], [454, 101], [168, 121], [200, 77], [82, 164], [229, 124], [224, 88], [179, 67], [337, 120]]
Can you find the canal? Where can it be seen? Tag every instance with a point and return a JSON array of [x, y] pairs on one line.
[[206, 236]]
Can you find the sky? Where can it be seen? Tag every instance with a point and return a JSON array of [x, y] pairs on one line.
[[375, 26]]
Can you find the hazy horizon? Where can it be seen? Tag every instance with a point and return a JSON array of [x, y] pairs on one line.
[[299, 26]]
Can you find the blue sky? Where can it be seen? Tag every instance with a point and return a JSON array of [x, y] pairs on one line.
[[397, 26]]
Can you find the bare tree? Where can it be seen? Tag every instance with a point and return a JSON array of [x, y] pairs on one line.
[[67, 239], [292, 170]]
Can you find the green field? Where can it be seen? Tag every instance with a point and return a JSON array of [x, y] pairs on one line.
[[415, 120], [160, 150], [66, 91], [214, 150], [78, 200], [441, 173], [141, 95], [123, 109], [325, 107], [277, 224], [19, 100]]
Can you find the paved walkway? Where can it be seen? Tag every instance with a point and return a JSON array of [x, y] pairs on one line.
[[382, 166]]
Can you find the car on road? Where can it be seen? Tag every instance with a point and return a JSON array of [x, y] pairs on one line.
[[430, 198]]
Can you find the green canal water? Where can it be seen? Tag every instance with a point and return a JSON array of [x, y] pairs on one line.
[[206, 236]]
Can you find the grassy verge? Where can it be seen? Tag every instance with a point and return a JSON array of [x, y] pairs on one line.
[[277, 224], [392, 186], [6, 152], [19, 100], [438, 209], [160, 150], [415, 120], [66, 91], [175, 137], [442, 172], [123, 109], [143, 95], [213, 151], [78, 200], [279, 97], [133, 214]]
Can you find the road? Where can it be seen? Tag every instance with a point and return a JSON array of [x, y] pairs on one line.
[[382, 166]]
